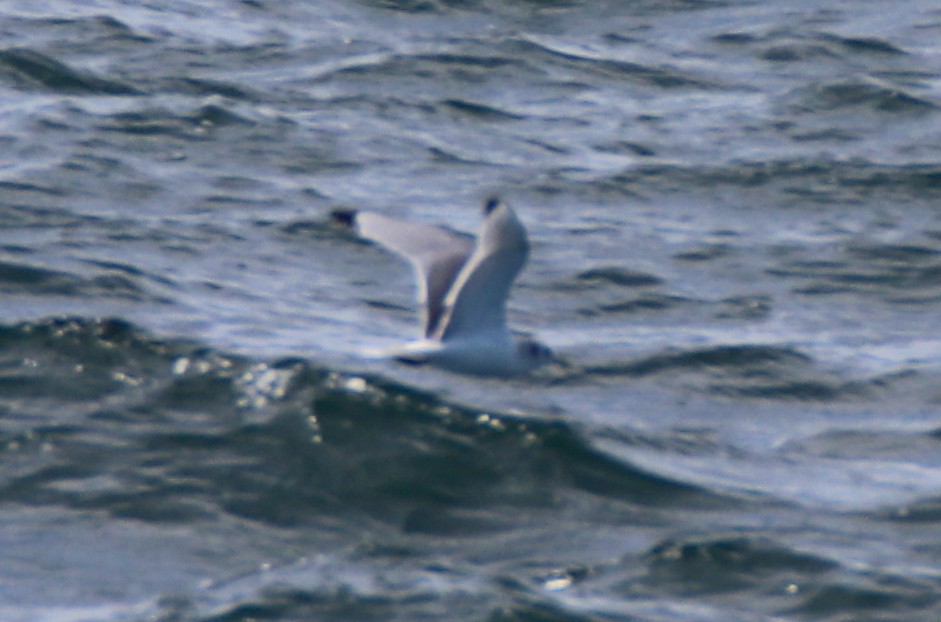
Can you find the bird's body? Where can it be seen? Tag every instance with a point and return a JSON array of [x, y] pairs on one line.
[[463, 286]]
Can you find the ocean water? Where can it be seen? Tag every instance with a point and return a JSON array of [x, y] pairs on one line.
[[735, 217]]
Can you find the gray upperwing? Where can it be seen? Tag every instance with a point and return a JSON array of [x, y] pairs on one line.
[[477, 299], [436, 254]]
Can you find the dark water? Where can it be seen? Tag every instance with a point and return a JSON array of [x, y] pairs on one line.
[[734, 211]]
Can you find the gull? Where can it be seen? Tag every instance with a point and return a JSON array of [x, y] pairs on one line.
[[463, 287]]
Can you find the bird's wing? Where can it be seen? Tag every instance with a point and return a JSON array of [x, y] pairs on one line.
[[435, 253], [476, 302]]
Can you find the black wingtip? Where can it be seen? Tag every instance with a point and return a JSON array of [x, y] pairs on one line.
[[491, 204], [345, 216]]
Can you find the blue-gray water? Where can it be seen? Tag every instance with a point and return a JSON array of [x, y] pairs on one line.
[[735, 214]]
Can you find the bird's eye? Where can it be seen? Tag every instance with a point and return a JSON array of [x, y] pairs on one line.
[[491, 204], [538, 351]]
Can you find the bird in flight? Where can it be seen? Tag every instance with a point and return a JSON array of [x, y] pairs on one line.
[[463, 286]]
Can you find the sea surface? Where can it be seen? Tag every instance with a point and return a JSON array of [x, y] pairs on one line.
[[735, 215]]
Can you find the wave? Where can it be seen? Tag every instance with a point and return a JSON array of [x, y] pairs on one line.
[[792, 45], [877, 95], [904, 274], [795, 580], [820, 181], [606, 65], [26, 279], [744, 371], [182, 432], [30, 68]]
